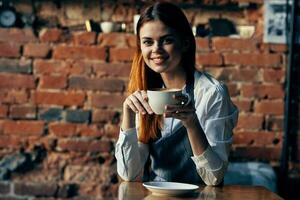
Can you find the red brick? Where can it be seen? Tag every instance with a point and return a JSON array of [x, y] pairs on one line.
[[103, 115], [89, 130], [16, 35], [84, 38], [14, 97], [250, 121], [280, 48], [273, 75], [10, 50], [59, 98], [269, 107], [83, 173], [209, 59], [274, 123], [107, 84], [118, 40], [53, 82], [79, 52], [3, 111], [202, 44], [46, 189], [277, 48], [253, 15], [245, 75], [19, 81], [10, 141], [51, 67], [121, 54], [233, 89], [263, 91], [22, 65], [33, 141], [253, 59], [84, 145], [223, 74], [257, 153], [257, 138], [48, 142], [50, 35], [232, 44], [1, 127], [107, 100], [23, 128], [112, 69], [63, 129], [83, 67], [244, 105], [131, 40], [22, 112], [36, 50]]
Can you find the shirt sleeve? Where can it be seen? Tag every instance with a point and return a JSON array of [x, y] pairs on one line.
[[217, 116], [131, 155]]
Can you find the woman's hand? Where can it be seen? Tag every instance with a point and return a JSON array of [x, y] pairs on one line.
[[185, 112], [138, 103], [134, 103]]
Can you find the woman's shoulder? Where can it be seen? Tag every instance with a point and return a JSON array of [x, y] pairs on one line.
[[207, 83]]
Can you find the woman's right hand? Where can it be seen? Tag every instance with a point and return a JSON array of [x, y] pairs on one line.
[[137, 102]]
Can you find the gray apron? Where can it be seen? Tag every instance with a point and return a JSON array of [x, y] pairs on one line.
[[170, 155]]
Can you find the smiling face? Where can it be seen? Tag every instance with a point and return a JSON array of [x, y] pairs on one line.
[[161, 47]]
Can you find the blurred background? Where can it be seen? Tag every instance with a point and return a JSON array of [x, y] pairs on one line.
[[63, 78]]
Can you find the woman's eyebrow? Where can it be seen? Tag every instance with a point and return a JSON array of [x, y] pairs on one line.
[[162, 37]]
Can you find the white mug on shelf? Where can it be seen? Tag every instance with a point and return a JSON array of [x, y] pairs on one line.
[[107, 26], [135, 21]]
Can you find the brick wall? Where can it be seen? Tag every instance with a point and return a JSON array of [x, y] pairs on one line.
[[63, 90]]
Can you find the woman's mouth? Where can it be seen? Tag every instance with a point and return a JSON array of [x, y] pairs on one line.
[[158, 60]]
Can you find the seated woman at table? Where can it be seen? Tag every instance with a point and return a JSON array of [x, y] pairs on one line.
[[188, 143]]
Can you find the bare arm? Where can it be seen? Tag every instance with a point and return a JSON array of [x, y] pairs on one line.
[[196, 135]]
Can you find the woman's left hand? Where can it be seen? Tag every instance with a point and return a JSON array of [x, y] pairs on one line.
[[185, 112]]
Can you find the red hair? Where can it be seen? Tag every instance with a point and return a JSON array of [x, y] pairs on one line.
[[149, 124]]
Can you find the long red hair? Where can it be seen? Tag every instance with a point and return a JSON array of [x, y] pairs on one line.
[[143, 78]]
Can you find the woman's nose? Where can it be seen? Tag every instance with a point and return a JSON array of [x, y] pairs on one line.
[[157, 47]]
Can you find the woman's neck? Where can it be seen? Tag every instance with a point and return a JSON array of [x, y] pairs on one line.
[[174, 80]]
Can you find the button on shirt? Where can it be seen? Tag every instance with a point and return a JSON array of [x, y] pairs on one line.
[[217, 116]]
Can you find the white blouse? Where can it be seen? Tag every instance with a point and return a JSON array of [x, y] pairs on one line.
[[217, 116]]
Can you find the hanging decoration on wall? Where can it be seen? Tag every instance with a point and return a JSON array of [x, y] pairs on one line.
[[275, 30]]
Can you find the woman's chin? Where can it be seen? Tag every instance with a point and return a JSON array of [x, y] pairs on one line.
[[159, 68]]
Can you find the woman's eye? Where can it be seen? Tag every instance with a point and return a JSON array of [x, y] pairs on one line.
[[168, 40], [147, 42]]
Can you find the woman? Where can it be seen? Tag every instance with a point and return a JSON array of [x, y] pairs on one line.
[[189, 143]]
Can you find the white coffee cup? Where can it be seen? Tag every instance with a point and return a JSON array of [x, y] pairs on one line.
[[160, 97]]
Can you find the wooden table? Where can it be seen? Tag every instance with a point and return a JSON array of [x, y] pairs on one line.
[[136, 191]]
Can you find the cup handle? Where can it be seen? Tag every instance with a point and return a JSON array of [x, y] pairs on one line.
[[188, 101]]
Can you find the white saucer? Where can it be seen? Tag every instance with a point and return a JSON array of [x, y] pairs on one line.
[[170, 188]]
